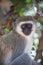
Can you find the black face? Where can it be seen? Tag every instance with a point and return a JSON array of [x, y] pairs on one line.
[[26, 28]]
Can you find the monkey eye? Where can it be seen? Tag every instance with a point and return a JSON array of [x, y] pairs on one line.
[[30, 25], [23, 26]]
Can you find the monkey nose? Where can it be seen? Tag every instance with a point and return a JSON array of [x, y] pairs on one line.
[[27, 31]]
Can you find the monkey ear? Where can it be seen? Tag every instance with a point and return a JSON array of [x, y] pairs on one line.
[[14, 24]]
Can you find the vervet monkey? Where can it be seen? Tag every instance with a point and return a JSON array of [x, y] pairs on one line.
[[15, 46]]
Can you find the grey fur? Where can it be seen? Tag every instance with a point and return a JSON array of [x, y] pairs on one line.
[[11, 41], [12, 46], [23, 59], [18, 55]]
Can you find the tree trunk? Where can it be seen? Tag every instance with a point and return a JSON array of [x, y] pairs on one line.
[[40, 48]]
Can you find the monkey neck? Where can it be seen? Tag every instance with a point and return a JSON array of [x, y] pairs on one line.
[[29, 43]]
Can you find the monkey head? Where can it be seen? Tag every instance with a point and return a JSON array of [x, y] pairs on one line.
[[25, 28]]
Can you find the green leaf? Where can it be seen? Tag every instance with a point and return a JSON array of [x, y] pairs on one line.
[[13, 1], [33, 48], [28, 1], [40, 20], [21, 14], [6, 30], [35, 45]]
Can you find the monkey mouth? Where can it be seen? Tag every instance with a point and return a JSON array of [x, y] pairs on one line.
[[27, 33]]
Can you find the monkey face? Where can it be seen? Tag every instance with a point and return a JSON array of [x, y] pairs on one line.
[[26, 28]]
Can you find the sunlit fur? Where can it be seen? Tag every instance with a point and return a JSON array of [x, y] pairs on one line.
[[28, 39]]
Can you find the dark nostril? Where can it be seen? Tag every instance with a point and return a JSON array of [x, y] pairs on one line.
[[26, 29]]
